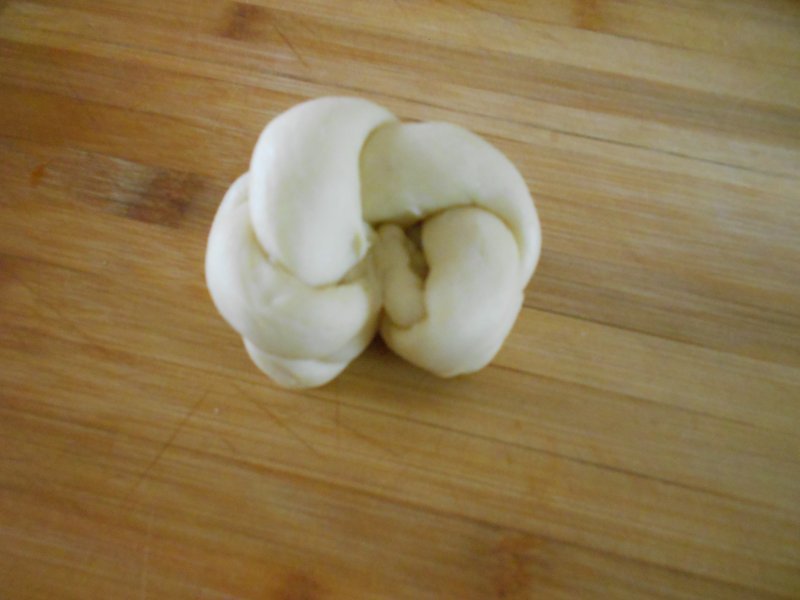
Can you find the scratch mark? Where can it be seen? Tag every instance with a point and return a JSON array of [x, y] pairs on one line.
[[35, 295], [308, 30], [164, 447], [229, 445], [264, 408], [288, 42], [371, 441], [39, 300]]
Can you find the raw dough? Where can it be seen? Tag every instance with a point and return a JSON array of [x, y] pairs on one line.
[[295, 265]]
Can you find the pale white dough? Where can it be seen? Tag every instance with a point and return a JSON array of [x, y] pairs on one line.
[[471, 297], [294, 264], [306, 191], [299, 335]]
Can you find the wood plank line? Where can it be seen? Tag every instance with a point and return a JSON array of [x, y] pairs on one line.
[[718, 108], [272, 470], [635, 437]]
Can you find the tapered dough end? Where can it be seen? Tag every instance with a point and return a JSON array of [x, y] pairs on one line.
[[305, 189], [295, 373]]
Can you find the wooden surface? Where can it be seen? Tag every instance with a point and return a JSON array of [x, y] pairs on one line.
[[637, 437]]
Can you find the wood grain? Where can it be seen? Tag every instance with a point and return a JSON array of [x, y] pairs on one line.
[[637, 437]]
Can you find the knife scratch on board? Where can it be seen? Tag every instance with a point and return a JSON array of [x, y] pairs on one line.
[[280, 422], [164, 447]]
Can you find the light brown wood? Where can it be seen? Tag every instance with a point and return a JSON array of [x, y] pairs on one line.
[[637, 437]]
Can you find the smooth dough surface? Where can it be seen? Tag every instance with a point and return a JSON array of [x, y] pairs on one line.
[[345, 211]]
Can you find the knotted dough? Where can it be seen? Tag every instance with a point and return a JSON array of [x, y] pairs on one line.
[[346, 211]]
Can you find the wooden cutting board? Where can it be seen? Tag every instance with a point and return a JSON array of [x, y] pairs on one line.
[[637, 437]]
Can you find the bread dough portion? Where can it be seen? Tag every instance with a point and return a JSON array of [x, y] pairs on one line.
[[471, 295], [305, 200], [295, 266], [307, 373], [298, 334], [411, 171]]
